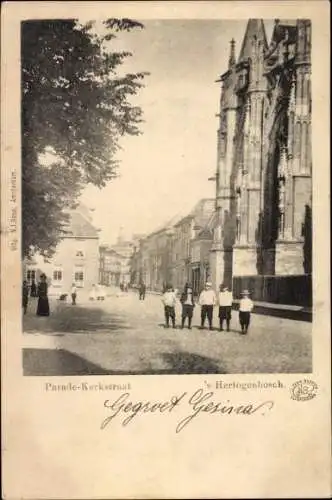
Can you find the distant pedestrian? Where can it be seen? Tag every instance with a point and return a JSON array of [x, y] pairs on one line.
[[43, 308], [246, 306], [142, 291], [187, 301], [169, 301], [121, 286], [225, 307], [33, 289], [101, 293], [93, 293], [73, 294], [25, 296], [207, 300]]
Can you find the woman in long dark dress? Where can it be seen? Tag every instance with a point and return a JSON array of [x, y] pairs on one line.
[[43, 308]]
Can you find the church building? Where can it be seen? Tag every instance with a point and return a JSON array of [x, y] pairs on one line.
[[262, 229]]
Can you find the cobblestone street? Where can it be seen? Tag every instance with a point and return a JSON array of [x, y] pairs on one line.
[[123, 335]]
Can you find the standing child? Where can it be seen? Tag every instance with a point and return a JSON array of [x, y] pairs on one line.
[[73, 294], [225, 307], [25, 296], [169, 301], [207, 300], [187, 301], [246, 306]]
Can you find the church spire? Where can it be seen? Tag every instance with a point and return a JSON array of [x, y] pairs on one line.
[[231, 60], [255, 31]]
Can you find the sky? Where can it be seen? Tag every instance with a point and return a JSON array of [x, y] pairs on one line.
[[165, 170]]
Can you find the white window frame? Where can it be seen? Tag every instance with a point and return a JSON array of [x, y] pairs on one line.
[[79, 283], [57, 282], [29, 271]]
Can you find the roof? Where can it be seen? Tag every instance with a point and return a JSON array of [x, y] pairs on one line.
[[80, 227], [203, 211], [255, 28], [169, 223]]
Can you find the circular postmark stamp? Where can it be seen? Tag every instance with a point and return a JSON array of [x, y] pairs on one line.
[[303, 390]]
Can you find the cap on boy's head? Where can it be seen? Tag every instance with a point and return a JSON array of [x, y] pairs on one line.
[[208, 284], [225, 288], [245, 292]]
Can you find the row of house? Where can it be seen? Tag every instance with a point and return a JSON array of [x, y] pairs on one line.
[[115, 262], [177, 252], [80, 259]]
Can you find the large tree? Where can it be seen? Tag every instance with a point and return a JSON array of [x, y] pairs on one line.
[[76, 104]]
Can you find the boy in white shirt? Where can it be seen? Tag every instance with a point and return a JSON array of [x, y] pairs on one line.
[[169, 301], [225, 306], [246, 306], [207, 300]]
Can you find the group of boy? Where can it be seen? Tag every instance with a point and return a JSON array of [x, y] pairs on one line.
[[207, 300]]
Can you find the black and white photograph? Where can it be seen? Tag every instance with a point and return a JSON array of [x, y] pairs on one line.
[[166, 196]]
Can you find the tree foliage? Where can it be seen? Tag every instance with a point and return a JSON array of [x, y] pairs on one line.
[[76, 104]]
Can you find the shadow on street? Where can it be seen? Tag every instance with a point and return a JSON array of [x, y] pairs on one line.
[[75, 320], [56, 362], [46, 362], [186, 363]]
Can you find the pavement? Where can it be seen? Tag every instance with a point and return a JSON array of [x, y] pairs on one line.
[[123, 335]]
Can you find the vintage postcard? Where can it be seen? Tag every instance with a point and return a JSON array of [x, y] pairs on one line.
[[165, 298]]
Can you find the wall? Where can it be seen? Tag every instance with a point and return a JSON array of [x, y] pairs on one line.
[[287, 290]]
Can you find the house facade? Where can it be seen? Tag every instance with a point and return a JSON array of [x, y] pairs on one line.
[[75, 260]]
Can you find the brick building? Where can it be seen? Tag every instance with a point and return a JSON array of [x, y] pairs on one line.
[[165, 256], [263, 181]]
